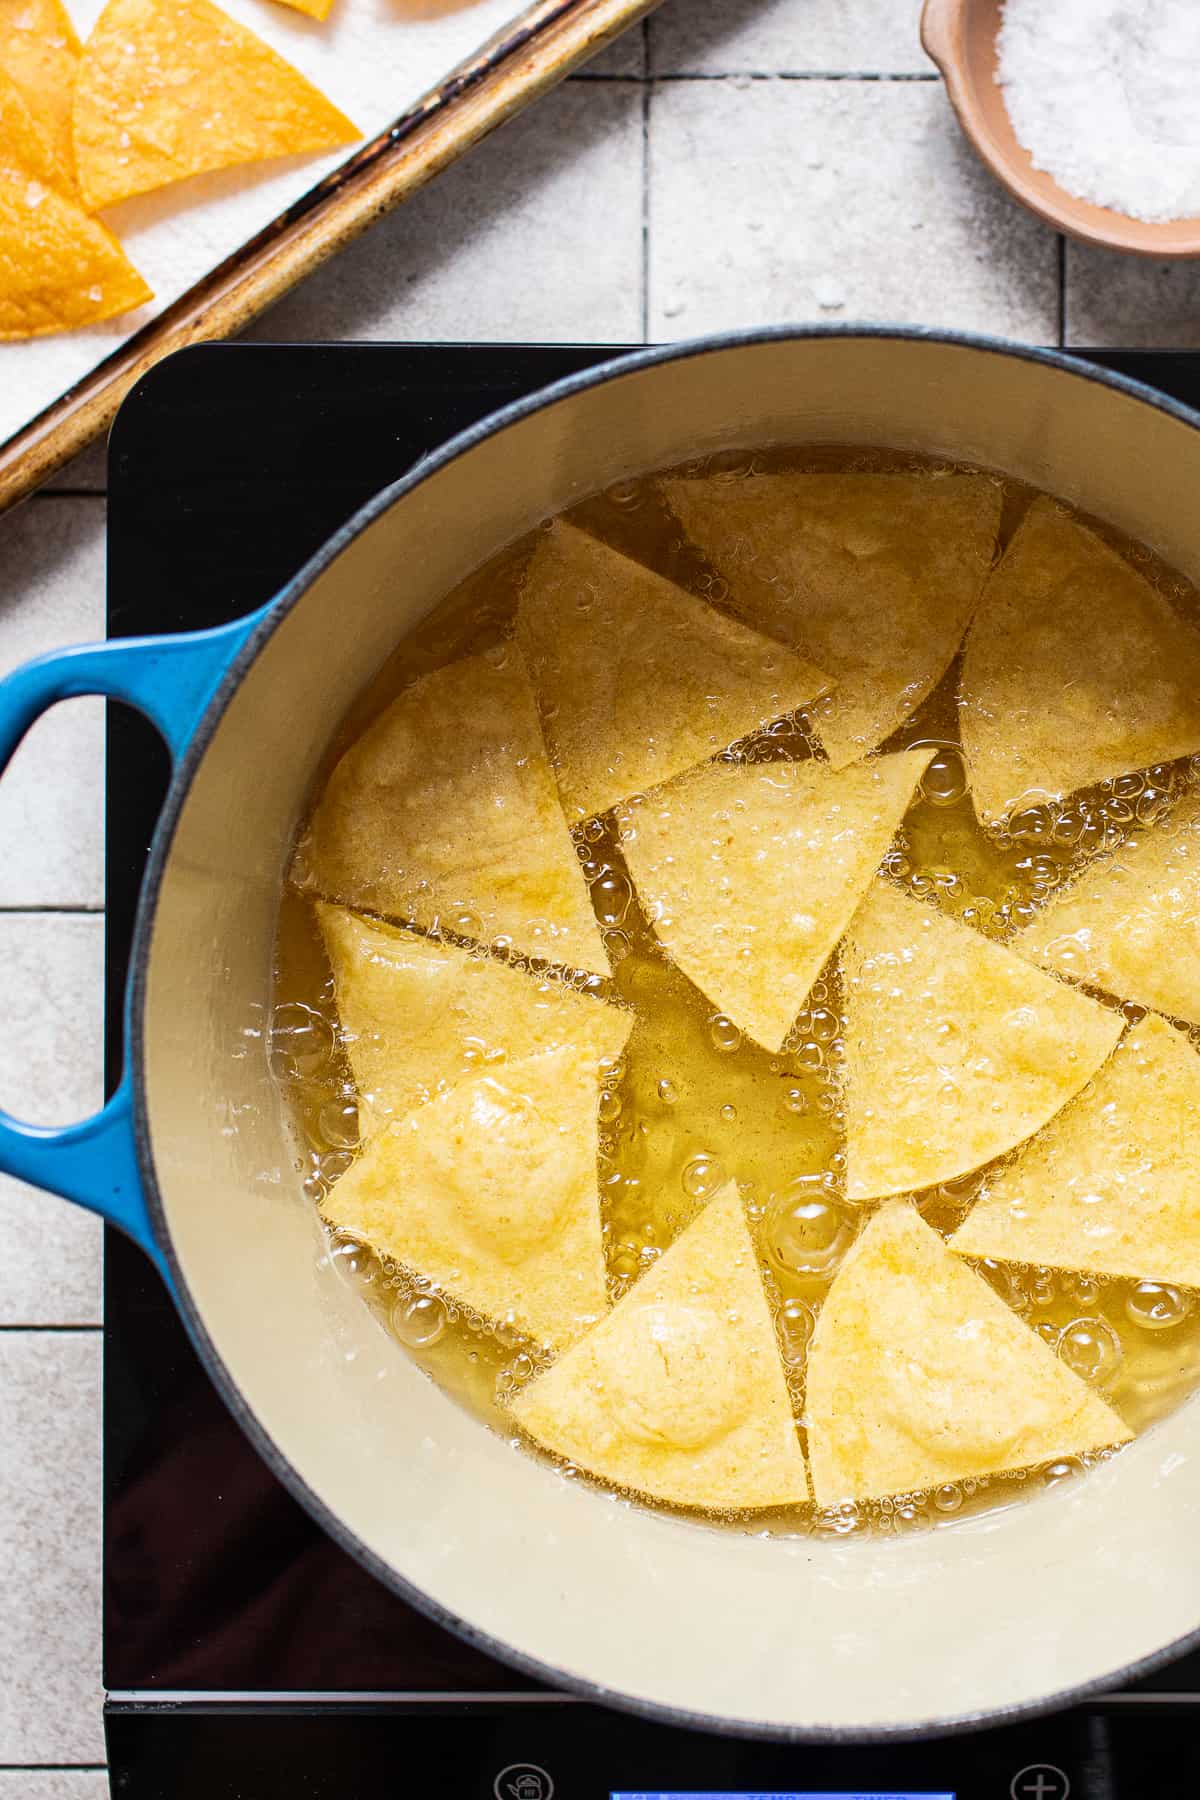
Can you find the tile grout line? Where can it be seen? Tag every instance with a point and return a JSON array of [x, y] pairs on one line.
[[86, 909], [46, 1329], [1062, 291], [684, 75]]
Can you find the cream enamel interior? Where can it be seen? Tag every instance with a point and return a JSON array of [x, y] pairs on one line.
[[793, 1636]]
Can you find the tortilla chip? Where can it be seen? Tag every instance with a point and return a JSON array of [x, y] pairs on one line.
[[39, 53], [1112, 1185], [58, 268], [919, 1374], [316, 9], [874, 577], [638, 680], [750, 873], [953, 1054], [445, 813], [1130, 923], [173, 88], [680, 1394], [1075, 670], [490, 1192], [419, 1015]]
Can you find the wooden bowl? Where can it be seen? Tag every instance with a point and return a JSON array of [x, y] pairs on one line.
[[960, 36]]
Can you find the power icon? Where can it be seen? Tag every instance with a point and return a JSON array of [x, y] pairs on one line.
[[1040, 1781], [523, 1781]]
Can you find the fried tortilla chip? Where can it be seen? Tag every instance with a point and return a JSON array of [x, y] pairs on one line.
[[316, 9], [680, 1394], [1130, 923], [918, 1374], [445, 813], [874, 577], [173, 88], [750, 873], [1075, 670], [39, 53], [1112, 1185], [638, 680], [419, 1015], [490, 1192], [953, 1054], [58, 268]]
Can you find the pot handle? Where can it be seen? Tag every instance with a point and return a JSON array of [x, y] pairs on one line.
[[171, 680]]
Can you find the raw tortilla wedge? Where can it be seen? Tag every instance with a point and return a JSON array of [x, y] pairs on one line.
[[39, 53], [1112, 1185], [1075, 670], [419, 1015], [953, 1054], [173, 88], [680, 1394], [490, 1192], [1130, 923], [874, 577], [446, 813], [750, 873], [918, 1374], [638, 680]]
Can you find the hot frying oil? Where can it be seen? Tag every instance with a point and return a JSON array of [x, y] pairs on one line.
[[694, 1102]]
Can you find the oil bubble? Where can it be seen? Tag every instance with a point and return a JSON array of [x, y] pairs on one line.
[[338, 1122], [419, 1321], [796, 1101], [1091, 1349], [948, 1498], [667, 1092], [796, 1323], [945, 780], [610, 1106], [611, 895], [1065, 1469], [807, 1231], [301, 1042], [349, 1255], [1153, 1306], [725, 1034], [702, 1177]]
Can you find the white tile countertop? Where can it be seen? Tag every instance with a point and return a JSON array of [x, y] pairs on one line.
[[732, 162]]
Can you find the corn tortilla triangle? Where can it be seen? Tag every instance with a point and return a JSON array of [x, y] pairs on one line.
[[418, 1015], [490, 1192], [638, 680], [874, 577], [39, 52], [680, 1393], [1130, 922], [1112, 1185], [58, 267], [918, 1374], [1075, 670], [201, 93], [750, 873], [445, 812], [953, 1055]]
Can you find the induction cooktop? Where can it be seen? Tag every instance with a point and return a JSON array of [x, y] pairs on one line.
[[246, 1657]]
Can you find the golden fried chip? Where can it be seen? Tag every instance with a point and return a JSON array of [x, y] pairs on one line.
[[39, 52], [316, 9], [918, 1374], [874, 577], [58, 268], [1075, 670], [25, 148], [953, 1054], [172, 88], [749, 873], [680, 1394], [1130, 923], [1112, 1185], [419, 1015], [490, 1192], [445, 813], [638, 680]]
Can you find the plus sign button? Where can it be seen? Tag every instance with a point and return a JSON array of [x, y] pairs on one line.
[[1040, 1781]]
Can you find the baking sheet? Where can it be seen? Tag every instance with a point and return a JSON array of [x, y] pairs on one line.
[[374, 58]]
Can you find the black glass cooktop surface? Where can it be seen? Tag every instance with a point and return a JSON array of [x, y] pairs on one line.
[[245, 1655]]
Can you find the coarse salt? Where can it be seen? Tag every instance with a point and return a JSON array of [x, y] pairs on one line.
[[1103, 96]]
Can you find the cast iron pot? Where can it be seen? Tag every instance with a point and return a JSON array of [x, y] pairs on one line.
[[1083, 1587]]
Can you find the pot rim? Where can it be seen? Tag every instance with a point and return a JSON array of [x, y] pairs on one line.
[[578, 1687]]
